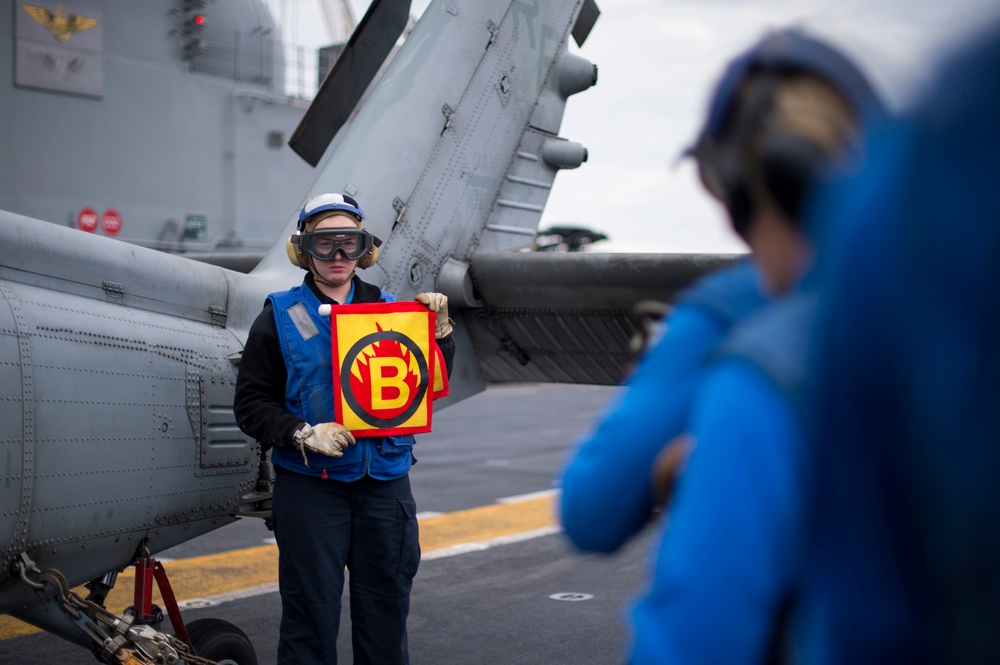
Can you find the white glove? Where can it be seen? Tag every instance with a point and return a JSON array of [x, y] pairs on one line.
[[326, 439], [437, 303]]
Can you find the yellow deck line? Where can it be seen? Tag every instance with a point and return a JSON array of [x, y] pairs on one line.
[[225, 572]]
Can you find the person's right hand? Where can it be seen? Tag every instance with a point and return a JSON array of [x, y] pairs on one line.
[[326, 438], [667, 468]]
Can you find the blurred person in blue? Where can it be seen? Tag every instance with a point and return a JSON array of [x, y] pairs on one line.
[[902, 560], [621, 471], [607, 483], [788, 114]]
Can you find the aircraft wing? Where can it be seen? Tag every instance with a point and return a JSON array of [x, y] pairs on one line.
[[568, 318]]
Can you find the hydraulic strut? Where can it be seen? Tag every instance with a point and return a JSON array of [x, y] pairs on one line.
[[124, 639]]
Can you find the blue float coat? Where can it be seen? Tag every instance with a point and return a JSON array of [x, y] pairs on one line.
[[309, 396], [726, 558], [606, 484], [733, 540]]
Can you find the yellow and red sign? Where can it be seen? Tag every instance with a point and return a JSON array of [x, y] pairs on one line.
[[387, 368]]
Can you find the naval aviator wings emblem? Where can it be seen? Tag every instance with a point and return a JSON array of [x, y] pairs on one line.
[[58, 23]]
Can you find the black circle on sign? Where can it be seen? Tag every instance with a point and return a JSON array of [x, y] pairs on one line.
[[345, 378]]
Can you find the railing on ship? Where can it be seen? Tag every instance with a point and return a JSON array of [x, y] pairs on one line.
[[255, 57]]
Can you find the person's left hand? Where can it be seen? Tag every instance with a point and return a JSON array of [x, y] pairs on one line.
[[328, 439], [437, 303]]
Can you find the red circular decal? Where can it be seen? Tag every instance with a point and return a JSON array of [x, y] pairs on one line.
[[111, 222], [86, 219]]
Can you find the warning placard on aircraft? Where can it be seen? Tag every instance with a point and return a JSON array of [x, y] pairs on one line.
[[387, 368]]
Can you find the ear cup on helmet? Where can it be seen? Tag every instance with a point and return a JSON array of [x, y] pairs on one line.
[[716, 170], [369, 258], [298, 258], [787, 166], [721, 171]]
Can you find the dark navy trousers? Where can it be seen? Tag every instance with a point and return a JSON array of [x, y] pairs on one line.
[[322, 526]]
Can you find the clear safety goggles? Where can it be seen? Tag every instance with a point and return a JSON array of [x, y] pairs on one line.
[[323, 244]]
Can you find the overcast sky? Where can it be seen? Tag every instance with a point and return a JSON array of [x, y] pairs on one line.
[[657, 63]]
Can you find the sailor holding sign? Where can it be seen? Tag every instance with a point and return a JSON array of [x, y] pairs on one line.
[[342, 493]]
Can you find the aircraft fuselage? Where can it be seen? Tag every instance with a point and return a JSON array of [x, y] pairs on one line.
[[116, 392]]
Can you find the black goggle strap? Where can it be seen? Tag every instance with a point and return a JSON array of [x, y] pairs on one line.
[[305, 242]]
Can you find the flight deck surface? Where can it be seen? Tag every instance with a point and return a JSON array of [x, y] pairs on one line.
[[498, 581]]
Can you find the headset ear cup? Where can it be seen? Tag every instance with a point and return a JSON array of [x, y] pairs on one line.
[[369, 258], [295, 256], [721, 173], [789, 166]]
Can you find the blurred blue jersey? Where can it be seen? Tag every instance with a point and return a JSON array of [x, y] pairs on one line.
[[606, 484], [730, 552], [903, 557]]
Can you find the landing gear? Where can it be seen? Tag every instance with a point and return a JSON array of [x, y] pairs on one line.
[[212, 639], [130, 638], [222, 642]]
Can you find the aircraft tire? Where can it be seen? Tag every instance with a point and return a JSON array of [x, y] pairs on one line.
[[221, 641]]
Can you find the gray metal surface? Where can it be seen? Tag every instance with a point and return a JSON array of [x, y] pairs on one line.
[[568, 318], [115, 118], [118, 429], [119, 361], [119, 411]]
